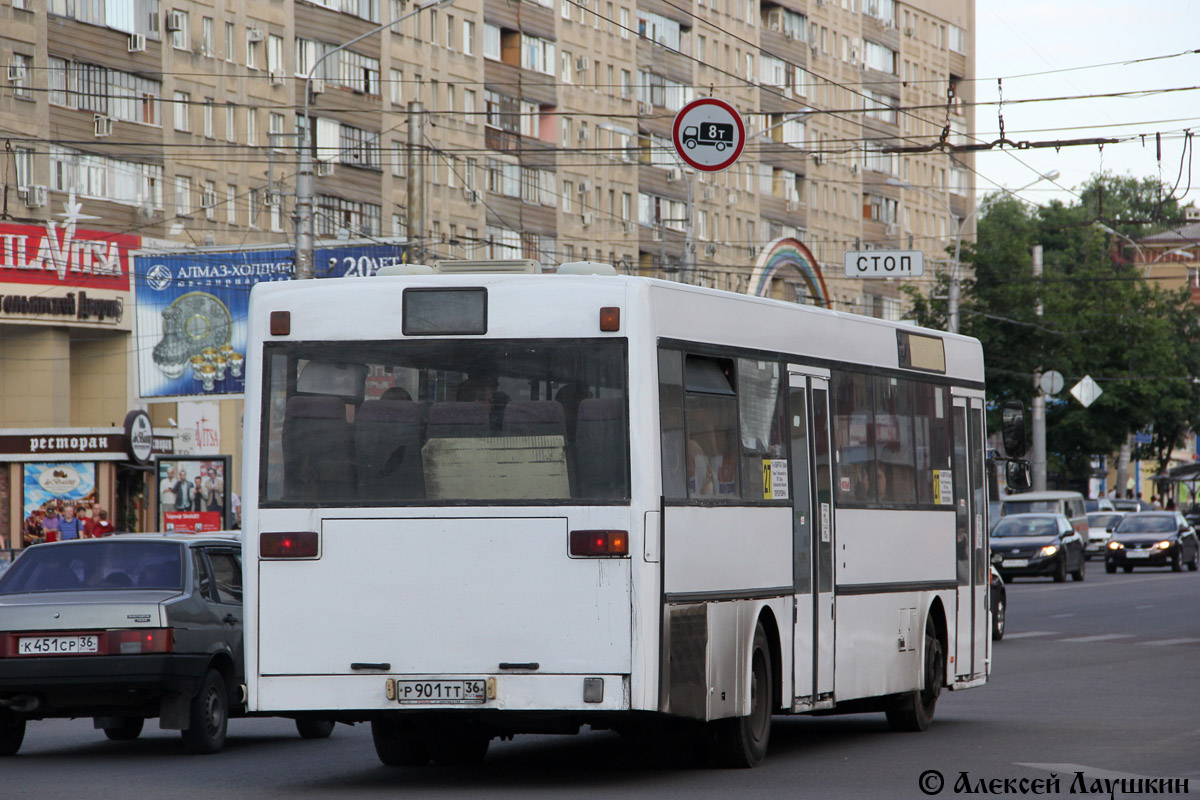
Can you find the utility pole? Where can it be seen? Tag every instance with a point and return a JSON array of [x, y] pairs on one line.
[[1039, 400], [304, 205], [416, 183], [687, 264]]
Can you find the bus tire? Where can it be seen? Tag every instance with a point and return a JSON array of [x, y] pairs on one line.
[[741, 742], [208, 716], [459, 747], [12, 732], [397, 747], [314, 728], [914, 711], [129, 729]]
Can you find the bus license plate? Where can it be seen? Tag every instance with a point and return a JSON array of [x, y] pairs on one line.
[[57, 645], [1137, 553], [438, 692], [1015, 562]]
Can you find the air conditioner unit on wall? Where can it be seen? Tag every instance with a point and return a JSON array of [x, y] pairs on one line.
[[176, 21], [710, 249], [674, 174], [583, 64], [35, 196], [137, 43], [588, 218], [645, 108], [325, 168], [102, 125], [277, 77], [255, 35], [316, 85], [793, 205], [472, 196]]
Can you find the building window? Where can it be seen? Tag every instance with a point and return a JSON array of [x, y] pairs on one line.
[[491, 41], [179, 36], [209, 200], [206, 37], [468, 37], [230, 41], [208, 118], [183, 196], [20, 70], [183, 111], [231, 204]]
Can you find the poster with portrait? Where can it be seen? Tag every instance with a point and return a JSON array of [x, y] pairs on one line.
[[193, 493], [49, 488]]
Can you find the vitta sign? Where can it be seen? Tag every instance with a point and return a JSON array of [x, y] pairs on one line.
[[884, 263]]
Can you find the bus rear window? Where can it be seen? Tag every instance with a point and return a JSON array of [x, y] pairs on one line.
[[442, 422]]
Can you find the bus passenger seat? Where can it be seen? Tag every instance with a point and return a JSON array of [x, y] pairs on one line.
[[600, 437], [387, 435], [534, 418], [457, 420], [318, 449]]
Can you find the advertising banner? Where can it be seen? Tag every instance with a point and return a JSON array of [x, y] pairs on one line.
[[191, 311], [192, 494], [56, 273], [48, 489]]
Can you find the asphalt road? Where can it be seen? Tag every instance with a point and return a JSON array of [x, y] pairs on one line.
[[1101, 677]]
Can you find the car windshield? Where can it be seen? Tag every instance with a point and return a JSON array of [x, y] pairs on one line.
[[1028, 506], [1103, 520], [95, 566], [1025, 526], [1147, 523]]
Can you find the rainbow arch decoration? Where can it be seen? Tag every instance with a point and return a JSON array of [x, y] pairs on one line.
[[786, 254]]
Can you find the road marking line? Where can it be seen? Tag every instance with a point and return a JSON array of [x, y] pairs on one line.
[[1142, 608], [1029, 634], [1103, 637], [1062, 616], [1164, 642]]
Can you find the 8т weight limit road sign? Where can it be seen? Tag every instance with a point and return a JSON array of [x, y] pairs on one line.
[[708, 134]]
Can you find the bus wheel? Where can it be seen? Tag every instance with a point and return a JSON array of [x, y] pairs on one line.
[[12, 732], [459, 747], [742, 741], [397, 747], [312, 728], [914, 711]]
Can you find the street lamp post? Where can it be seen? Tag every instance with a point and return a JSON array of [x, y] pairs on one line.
[[304, 176], [955, 293]]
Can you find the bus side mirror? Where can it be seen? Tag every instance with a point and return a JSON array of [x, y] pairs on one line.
[[1019, 475], [1012, 423]]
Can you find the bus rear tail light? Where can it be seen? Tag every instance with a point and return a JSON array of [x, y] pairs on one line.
[[288, 544], [281, 323], [599, 543], [610, 318]]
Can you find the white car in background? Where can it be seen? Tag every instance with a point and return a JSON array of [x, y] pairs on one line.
[[1100, 525]]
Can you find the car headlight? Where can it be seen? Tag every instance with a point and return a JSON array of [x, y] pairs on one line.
[[1115, 546], [1048, 550], [1164, 545]]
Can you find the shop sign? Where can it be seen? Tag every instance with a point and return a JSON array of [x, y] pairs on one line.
[[92, 444]]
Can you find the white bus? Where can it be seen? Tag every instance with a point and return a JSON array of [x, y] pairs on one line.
[[482, 505]]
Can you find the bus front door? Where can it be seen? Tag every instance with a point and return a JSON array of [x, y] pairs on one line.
[[813, 535], [970, 505]]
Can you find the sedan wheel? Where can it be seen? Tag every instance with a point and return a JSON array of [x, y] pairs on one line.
[[1177, 562], [12, 732], [998, 618], [1060, 571], [1110, 567], [1078, 574], [1194, 564], [208, 719]]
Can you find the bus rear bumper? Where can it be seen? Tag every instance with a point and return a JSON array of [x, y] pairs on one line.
[[505, 692]]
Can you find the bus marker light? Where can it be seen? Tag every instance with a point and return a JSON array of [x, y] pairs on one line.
[[599, 543], [610, 318], [281, 323], [289, 544], [389, 688], [593, 690], [491, 688]]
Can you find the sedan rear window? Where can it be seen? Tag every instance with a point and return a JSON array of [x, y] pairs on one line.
[[95, 566], [1138, 523], [1037, 526]]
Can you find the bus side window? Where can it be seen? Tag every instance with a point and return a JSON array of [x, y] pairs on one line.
[[853, 437], [670, 411], [760, 412]]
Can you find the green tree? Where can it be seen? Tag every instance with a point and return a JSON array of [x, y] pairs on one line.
[[1100, 318]]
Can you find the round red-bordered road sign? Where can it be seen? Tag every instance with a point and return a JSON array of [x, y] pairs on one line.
[[708, 134]]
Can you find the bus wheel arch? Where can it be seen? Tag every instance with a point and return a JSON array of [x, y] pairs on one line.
[[913, 710], [766, 619]]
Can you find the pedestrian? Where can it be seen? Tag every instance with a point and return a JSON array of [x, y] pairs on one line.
[[50, 524], [69, 527], [103, 527]]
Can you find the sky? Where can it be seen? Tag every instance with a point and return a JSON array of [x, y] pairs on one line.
[[1020, 37]]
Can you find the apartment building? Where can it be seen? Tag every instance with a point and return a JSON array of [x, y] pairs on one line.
[[543, 131]]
